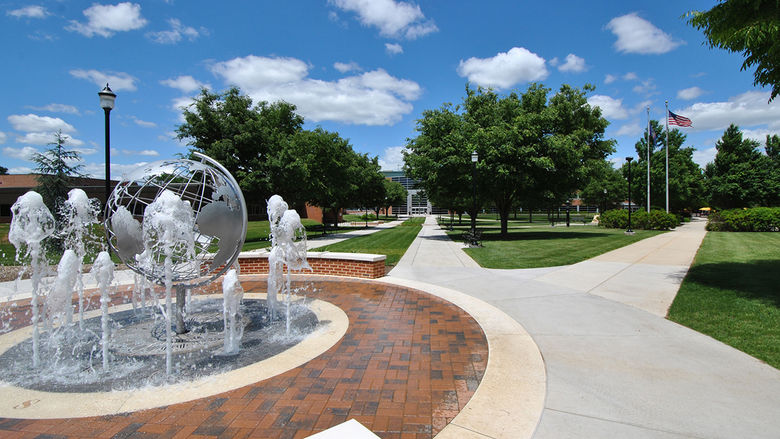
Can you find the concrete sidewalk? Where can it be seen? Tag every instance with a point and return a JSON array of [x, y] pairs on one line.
[[615, 367], [333, 238]]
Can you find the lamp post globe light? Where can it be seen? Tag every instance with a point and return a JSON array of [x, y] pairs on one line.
[[474, 159], [628, 230], [107, 98], [605, 201]]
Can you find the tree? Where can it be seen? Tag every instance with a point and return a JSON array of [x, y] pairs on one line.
[[686, 182], [605, 177], [395, 193], [750, 27], [370, 191], [529, 148], [55, 173], [740, 176], [241, 136], [3, 170]]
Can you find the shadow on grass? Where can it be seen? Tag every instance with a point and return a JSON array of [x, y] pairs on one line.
[[495, 235], [757, 279]]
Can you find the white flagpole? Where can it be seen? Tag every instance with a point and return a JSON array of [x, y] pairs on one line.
[[648, 159], [667, 156]]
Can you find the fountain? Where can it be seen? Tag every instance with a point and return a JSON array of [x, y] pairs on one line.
[[178, 224]]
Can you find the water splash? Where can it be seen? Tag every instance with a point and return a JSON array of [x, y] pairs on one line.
[[232, 293], [103, 270]]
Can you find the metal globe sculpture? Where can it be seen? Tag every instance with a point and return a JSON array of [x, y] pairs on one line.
[[218, 220]]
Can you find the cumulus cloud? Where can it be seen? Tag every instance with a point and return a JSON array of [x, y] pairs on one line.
[[392, 158], [24, 153], [609, 79], [186, 84], [688, 94], [611, 108], [3, 137], [347, 67], [630, 76], [119, 81], [174, 34], [393, 19], [106, 20], [573, 63], [29, 12], [505, 69], [646, 87], [748, 109], [637, 35], [629, 129], [143, 123], [394, 48], [45, 139], [703, 156], [32, 123], [369, 98]]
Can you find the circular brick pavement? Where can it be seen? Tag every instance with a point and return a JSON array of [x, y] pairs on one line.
[[407, 365]]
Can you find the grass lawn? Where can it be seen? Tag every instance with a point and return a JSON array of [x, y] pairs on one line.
[[534, 246], [389, 242], [732, 293]]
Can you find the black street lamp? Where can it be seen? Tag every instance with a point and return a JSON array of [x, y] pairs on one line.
[[629, 231], [474, 159], [605, 201], [107, 98]]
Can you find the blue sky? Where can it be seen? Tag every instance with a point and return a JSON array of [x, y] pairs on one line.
[[364, 68]]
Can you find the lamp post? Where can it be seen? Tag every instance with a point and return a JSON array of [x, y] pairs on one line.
[[629, 231], [474, 158], [107, 98], [605, 201]]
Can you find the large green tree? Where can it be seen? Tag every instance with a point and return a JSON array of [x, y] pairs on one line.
[[606, 188], [530, 147], [395, 194], [56, 167], [241, 136], [740, 176], [749, 27]]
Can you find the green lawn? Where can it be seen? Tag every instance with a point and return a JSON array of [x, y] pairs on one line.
[[534, 246], [732, 293], [389, 242]]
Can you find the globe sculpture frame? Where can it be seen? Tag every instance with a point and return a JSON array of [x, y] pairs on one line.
[[220, 223]]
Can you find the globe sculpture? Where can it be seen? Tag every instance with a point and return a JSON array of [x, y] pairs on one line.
[[217, 222]]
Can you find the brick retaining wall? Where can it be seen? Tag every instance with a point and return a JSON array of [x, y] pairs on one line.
[[335, 264]]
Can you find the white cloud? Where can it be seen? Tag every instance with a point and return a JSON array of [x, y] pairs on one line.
[[637, 35], [42, 138], [119, 81], [392, 158], [98, 170], [29, 12], [175, 34], [393, 19], [703, 156], [505, 69], [148, 153], [370, 98], [3, 136], [688, 94], [611, 108], [394, 48], [646, 87], [573, 64], [24, 153], [630, 76], [185, 83], [57, 108], [609, 79], [105, 20], [143, 123], [347, 67], [20, 170], [759, 135], [32, 123], [748, 109], [85, 151], [630, 129]]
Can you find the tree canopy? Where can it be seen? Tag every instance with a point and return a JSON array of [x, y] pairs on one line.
[[531, 147], [749, 27], [55, 167], [740, 176]]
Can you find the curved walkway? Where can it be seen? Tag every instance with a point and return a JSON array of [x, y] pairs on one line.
[[615, 367]]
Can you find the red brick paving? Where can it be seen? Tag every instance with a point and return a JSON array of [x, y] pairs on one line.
[[407, 365]]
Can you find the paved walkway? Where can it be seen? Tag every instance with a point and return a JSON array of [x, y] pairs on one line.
[[615, 367]]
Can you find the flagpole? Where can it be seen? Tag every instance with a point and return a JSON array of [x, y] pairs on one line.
[[648, 159], [667, 156]]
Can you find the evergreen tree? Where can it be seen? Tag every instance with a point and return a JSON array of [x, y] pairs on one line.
[[56, 168]]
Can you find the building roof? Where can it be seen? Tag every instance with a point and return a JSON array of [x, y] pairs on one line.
[[30, 181]]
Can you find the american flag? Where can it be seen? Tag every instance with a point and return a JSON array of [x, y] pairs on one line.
[[676, 119]]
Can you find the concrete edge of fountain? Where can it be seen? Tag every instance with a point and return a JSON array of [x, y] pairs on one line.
[[510, 398], [33, 404]]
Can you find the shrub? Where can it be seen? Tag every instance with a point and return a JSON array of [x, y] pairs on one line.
[[757, 219], [655, 220]]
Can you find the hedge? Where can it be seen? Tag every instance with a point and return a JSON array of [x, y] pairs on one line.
[[757, 219], [655, 220]]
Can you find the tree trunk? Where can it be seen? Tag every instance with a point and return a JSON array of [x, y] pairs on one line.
[[503, 212]]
